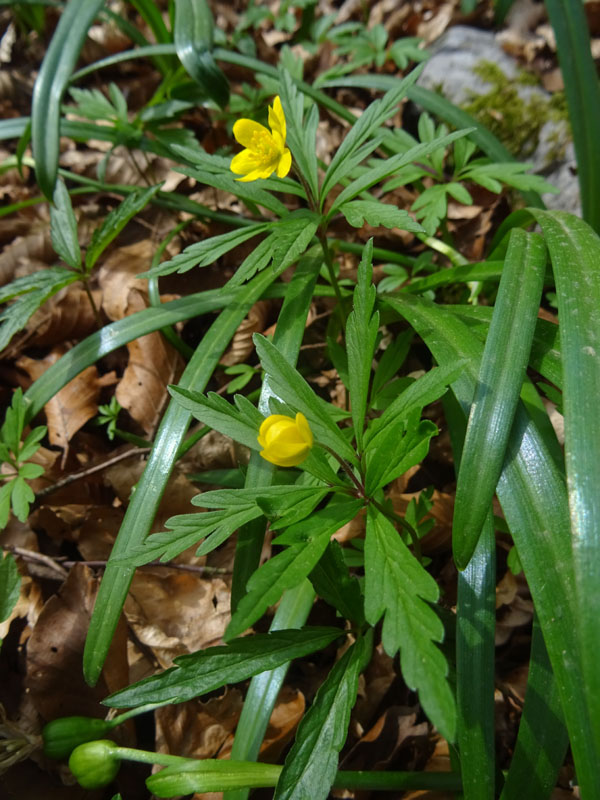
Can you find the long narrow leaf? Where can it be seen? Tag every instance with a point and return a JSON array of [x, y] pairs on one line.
[[542, 741], [499, 383], [534, 500], [50, 84], [144, 503], [583, 98], [575, 253]]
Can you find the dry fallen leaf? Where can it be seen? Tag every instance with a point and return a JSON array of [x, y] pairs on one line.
[[55, 649], [174, 612], [74, 404]]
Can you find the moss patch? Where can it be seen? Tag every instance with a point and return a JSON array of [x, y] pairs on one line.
[[516, 121]]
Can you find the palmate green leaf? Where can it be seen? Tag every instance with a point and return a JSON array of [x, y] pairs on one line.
[[383, 169], [375, 213], [311, 765], [397, 586], [116, 221], [501, 376], [31, 292], [361, 336], [10, 585], [301, 133], [240, 421], [575, 252], [186, 530], [207, 670], [206, 252], [367, 126], [419, 394], [56, 69], [493, 176], [289, 568], [287, 384], [286, 242], [397, 448], [63, 227], [193, 36], [333, 583]]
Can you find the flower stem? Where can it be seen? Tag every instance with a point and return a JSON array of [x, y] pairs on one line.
[[322, 236], [346, 467]]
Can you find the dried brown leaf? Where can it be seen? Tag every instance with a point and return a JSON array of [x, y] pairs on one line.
[[55, 648], [242, 345], [74, 404], [174, 612]]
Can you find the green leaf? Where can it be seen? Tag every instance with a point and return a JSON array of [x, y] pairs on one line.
[[5, 492], [207, 670], [116, 221], [221, 415], [361, 336], [57, 66], [10, 586], [375, 213], [311, 765], [427, 389], [286, 242], [534, 500], [21, 497], [301, 133], [211, 775], [367, 126], [193, 35], [333, 583], [399, 587], [144, 502], [492, 176], [391, 360], [574, 250], [186, 530], [583, 98], [500, 379], [388, 167], [206, 252], [14, 422], [289, 568], [542, 741], [397, 448], [63, 227], [291, 387], [31, 292]]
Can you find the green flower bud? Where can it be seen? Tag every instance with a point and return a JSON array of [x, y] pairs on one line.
[[95, 764], [61, 736]]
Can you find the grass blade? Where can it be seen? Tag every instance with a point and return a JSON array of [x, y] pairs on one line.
[[475, 647], [499, 383], [52, 79], [583, 98], [194, 25], [144, 502], [575, 253], [542, 741], [534, 499]]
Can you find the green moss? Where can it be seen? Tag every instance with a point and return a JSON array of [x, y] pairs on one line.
[[514, 120]]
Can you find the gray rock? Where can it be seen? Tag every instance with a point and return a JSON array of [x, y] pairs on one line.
[[450, 70]]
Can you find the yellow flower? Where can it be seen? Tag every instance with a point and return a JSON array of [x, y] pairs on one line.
[[265, 151], [286, 441]]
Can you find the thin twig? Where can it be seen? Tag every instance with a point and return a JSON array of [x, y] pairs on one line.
[[84, 473]]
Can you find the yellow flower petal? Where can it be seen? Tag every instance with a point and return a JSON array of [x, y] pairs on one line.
[[245, 130], [285, 164], [277, 118], [286, 442]]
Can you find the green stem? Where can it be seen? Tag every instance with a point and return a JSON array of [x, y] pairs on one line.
[[322, 236], [347, 469], [382, 781]]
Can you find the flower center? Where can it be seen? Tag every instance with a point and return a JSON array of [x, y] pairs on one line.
[[263, 145]]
